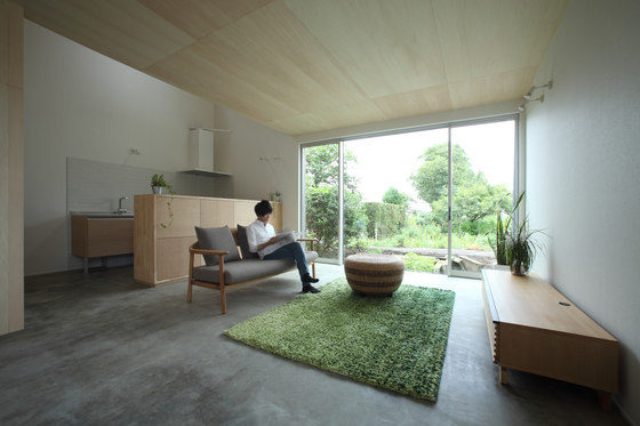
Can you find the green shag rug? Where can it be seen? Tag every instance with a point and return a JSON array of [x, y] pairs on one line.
[[396, 343]]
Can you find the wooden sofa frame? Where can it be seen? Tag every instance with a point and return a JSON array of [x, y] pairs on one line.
[[220, 286]]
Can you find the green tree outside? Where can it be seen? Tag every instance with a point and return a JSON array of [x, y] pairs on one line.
[[322, 199], [394, 196], [432, 178], [475, 200]]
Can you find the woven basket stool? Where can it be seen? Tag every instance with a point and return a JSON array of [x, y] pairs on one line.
[[374, 274]]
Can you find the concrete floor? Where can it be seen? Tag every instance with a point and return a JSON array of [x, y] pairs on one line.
[[105, 350]]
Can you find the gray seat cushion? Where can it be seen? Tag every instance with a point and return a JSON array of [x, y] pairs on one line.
[[312, 256], [243, 270], [243, 242], [217, 239]]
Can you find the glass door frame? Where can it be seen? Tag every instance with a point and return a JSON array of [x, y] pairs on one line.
[[518, 179], [302, 208]]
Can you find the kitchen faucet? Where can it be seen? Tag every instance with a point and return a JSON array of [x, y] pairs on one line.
[[122, 210]]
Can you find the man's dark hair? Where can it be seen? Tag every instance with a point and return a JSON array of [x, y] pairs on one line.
[[263, 208]]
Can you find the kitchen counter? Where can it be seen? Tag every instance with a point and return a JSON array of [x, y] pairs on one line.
[[101, 234], [165, 229]]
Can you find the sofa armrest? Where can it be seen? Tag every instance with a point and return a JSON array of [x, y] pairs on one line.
[[210, 252], [310, 240], [193, 251]]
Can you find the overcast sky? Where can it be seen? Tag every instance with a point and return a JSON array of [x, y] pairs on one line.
[[387, 161]]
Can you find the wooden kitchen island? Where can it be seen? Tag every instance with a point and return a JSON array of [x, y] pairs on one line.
[[534, 328], [164, 228]]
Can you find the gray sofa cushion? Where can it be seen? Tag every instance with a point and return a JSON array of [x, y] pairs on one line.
[[312, 256], [243, 270], [243, 242], [218, 239]]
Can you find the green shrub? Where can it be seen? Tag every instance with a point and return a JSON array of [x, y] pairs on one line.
[[384, 219], [415, 262]]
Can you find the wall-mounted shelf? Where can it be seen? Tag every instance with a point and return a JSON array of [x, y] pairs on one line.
[[207, 173]]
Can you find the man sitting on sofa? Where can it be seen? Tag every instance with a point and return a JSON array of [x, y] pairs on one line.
[[262, 237]]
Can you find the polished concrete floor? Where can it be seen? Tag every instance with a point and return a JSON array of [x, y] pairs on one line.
[[106, 350]]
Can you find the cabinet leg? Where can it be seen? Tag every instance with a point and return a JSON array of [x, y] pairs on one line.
[[604, 399], [503, 376], [85, 266]]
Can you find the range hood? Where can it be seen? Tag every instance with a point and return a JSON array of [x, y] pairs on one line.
[[201, 159]]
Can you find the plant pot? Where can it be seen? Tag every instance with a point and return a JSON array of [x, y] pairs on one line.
[[158, 189], [519, 268]]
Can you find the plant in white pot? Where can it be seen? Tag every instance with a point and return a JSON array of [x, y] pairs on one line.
[[158, 184]]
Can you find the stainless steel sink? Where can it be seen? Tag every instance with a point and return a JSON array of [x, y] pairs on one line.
[[98, 214]]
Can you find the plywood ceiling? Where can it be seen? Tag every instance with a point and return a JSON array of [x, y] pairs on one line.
[[303, 66]]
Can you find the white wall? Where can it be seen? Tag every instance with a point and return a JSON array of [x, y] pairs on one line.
[[240, 153], [81, 104], [583, 172]]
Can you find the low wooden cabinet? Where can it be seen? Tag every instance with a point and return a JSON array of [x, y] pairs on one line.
[[100, 237], [534, 328], [165, 228]]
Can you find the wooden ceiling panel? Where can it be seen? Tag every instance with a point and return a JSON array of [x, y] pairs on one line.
[[481, 39], [416, 102], [331, 117], [121, 29], [275, 52], [201, 17], [303, 66], [492, 89], [298, 124], [386, 46], [209, 80]]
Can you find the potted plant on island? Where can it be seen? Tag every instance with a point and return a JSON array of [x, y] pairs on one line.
[[158, 184], [275, 196]]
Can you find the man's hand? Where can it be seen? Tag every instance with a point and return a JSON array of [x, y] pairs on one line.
[[271, 240]]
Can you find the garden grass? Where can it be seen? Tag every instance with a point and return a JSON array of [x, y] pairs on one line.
[[396, 343]]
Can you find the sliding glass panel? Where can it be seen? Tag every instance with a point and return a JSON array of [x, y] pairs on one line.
[[321, 166], [391, 187], [482, 162]]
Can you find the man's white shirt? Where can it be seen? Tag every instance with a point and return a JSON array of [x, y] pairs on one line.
[[258, 233]]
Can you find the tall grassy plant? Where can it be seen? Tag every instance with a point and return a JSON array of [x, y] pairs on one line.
[[523, 247], [501, 248]]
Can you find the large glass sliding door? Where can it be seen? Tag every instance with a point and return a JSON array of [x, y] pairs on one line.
[[321, 195], [430, 196], [391, 183], [483, 166]]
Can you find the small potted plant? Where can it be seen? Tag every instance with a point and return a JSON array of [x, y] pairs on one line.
[[158, 184], [276, 196]]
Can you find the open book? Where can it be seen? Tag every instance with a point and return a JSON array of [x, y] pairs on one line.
[[284, 238]]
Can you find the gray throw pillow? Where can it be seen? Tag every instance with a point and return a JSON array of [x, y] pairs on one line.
[[218, 239], [243, 242]]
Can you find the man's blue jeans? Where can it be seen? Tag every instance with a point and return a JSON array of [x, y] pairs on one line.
[[292, 251]]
